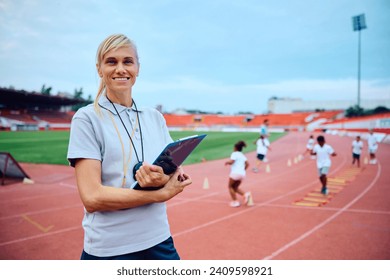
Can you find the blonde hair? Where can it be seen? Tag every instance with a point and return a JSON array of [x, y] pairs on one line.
[[112, 42]]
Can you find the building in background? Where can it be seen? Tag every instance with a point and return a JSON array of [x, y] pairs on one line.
[[290, 105]]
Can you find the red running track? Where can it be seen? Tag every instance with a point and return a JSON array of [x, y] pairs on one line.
[[289, 220]]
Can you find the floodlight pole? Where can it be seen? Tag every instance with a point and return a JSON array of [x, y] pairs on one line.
[[358, 100], [359, 23]]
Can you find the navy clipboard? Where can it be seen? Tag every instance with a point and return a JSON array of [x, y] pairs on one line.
[[173, 155]]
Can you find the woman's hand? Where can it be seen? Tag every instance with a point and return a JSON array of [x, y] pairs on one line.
[[175, 185], [151, 176]]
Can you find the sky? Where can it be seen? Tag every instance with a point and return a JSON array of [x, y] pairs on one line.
[[210, 55]]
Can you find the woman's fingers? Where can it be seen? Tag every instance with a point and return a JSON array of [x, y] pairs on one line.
[[151, 176]]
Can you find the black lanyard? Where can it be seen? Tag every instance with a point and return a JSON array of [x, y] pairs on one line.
[[139, 163]]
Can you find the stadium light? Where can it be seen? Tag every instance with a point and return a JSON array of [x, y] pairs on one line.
[[359, 23]]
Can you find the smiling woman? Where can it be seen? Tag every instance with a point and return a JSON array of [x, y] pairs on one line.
[[109, 147], [119, 69]]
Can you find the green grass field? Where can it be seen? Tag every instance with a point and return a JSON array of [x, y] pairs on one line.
[[51, 146]]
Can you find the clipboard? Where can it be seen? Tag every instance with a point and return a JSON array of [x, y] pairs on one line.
[[173, 155]]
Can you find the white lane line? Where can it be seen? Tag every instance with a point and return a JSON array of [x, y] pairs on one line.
[[253, 207], [40, 235], [328, 220]]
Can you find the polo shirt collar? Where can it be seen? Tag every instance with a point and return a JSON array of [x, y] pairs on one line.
[[106, 104]]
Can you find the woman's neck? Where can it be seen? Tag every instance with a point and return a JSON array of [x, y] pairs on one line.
[[123, 99]]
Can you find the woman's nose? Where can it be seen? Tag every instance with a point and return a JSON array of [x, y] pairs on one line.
[[120, 68]]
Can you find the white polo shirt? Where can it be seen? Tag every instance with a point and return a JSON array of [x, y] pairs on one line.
[[323, 155], [110, 233]]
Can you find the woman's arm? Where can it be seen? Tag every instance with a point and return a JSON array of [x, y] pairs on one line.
[[97, 197]]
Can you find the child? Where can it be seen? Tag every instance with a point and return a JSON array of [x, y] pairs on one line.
[[323, 152], [357, 147], [239, 164], [264, 128], [309, 146], [263, 146], [372, 147]]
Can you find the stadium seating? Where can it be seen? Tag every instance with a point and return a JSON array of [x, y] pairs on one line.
[[294, 121], [35, 120]]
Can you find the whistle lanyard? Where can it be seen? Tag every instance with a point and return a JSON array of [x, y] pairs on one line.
[[126, 163]]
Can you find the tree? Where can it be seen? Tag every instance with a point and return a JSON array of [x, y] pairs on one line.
[[380, 110], [354, 111], [78, 93], [45, 90], [357, 111]]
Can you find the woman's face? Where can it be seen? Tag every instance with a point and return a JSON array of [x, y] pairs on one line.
[[119, 70]]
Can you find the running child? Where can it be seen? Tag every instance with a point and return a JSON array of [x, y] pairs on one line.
[[239, 164], [372, 147], [323, 152], [263, 146], [264, 128], [309, 146], [357, 147]]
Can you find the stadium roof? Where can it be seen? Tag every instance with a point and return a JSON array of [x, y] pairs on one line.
[[21, 98]]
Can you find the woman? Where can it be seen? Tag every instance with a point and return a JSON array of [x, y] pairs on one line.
[[239, 164], [110, 144]]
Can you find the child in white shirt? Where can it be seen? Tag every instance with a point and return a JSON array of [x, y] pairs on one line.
[[239, 164], [263, 146], [372, 147], [357, 147], [323, 152]]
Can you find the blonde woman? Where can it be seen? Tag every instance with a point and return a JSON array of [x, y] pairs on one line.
[[111, 143]]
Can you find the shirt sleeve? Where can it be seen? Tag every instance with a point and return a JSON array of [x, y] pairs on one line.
[[82, 141], [163, 124], [330, 150]]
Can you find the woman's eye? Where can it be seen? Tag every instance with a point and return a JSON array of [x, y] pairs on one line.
[[110, 61], [128, 61]]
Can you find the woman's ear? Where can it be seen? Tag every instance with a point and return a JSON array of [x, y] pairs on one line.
[[99, 71]]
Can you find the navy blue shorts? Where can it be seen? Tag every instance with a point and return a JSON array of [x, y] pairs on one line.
[[163, 251], [356, 156], [260, 157]]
